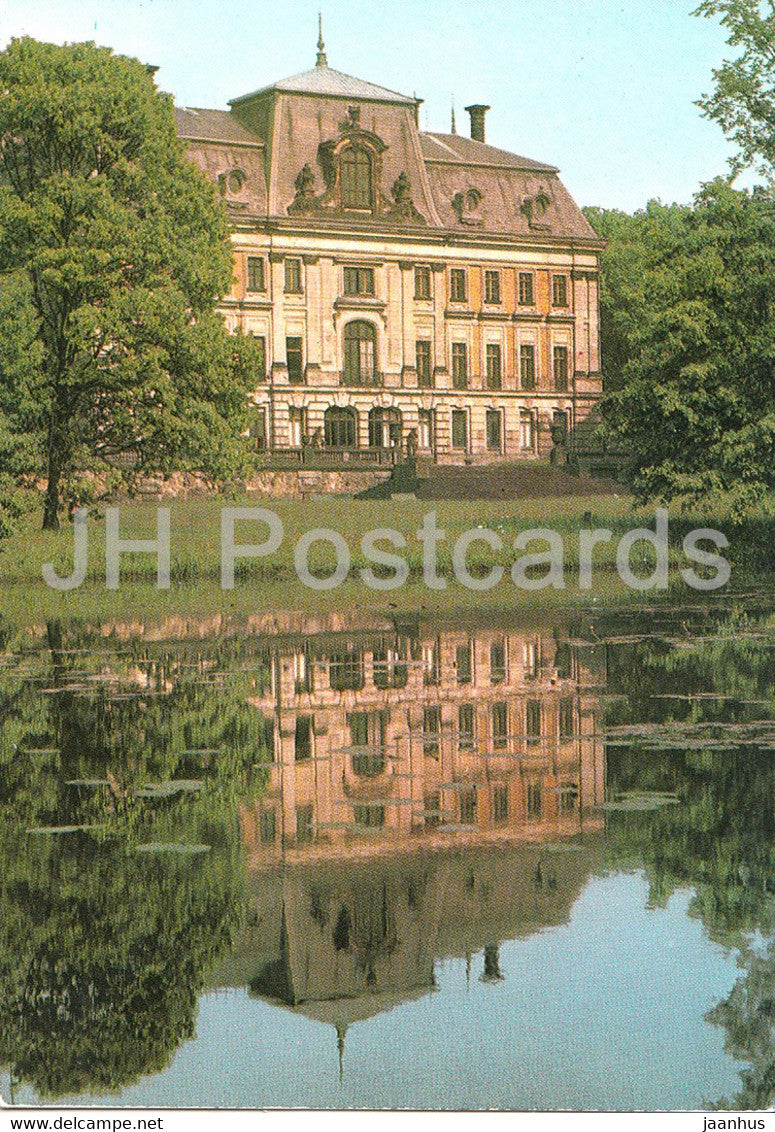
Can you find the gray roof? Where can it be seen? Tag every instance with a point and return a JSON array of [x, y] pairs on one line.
[[325, 80], [454, 149], [212, 125]]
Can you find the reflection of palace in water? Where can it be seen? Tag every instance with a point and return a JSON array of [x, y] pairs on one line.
[[381, 737], [426, 799]]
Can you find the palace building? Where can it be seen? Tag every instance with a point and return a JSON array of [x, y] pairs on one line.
[[411, 292]]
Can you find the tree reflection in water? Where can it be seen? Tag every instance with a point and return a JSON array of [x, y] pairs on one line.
[[710, 707], [104, 948]]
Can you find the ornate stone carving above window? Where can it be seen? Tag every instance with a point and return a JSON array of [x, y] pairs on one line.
[[467, 207], [535, 206], [231, 184], [304, 202], [403, 210], [352, 169]]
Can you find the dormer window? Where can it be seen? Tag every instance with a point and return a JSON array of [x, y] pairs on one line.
[[232, 183], [356, 179]]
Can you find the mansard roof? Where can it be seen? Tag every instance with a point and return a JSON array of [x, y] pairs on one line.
[[287, 132], [454, 149], [326, 81], [196, 124]]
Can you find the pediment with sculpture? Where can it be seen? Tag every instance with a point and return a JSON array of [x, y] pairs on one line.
[[351, 166]]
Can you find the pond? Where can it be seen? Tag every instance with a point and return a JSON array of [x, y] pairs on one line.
[[517, 861]]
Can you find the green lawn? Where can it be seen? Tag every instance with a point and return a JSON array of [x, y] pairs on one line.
[[271, 582]]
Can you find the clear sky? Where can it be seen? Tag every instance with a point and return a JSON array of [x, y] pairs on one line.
[[602, 88]]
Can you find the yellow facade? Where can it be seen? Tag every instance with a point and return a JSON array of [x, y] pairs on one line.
[[449, 310]]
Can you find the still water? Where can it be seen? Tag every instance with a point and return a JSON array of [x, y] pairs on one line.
[[520, 861]]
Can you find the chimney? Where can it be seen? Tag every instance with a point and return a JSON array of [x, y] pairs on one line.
[[477, 113]]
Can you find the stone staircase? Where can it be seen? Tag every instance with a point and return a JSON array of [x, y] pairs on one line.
[[521, 480]]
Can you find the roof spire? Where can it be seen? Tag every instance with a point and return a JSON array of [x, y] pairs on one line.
[[341, 1031], [454, 127], [322, 59]]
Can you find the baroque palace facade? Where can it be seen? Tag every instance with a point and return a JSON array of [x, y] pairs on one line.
[[411, 291]]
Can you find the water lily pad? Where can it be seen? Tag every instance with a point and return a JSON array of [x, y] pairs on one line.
[[169, 789], [636, 801], [51, 829]]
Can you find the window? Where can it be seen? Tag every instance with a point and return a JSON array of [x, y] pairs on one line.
[[359, 281], [260, 351], [492, 286], [527, 366], [431, 730], [533, 721], [294, 360], [303, 738], [559, 290], [457, 285], [304, 827], [389, 667], [563, 660], [534, 801], [256, 280], [500, 805], [367, 735], [267, 829], [568, 797], [559, 427], [302, 673], [293, 276], [460, 430], [369, 817], [424, 365], [295, 426], [459, 365], [432, 808], [567, 717], [463, 663], [526, 289], [355, 171], [422, 282], [530, 660], [466, 729], [561, 369], [526, 431], [493, 360], [493, 429], [385, 428], [360, 353], [468, 806], [345, 672], [425, 429], [430, 664], [340, 427], [257, 429], [500, 727], [498, 661]]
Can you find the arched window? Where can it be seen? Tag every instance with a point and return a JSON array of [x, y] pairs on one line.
[[341, 427], [360, 353], [356, 179], [384, 428]]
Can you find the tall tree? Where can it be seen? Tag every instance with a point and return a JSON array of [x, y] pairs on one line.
[[743, 102], [696, 407], [117, 249]]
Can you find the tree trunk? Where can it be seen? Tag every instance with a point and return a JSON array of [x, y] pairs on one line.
[[51, 503]]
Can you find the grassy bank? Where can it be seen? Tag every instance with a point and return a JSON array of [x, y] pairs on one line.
[[271, 582], [196, 535]]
